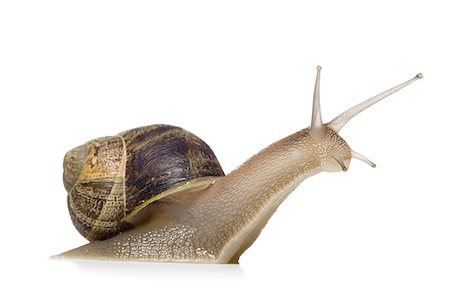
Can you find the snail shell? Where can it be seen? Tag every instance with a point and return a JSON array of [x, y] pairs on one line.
[[109, 178]]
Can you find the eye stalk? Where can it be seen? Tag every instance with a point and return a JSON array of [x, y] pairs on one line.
[[337, 123], [316, 117]]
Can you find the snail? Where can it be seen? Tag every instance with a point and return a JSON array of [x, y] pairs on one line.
[[158, 193]]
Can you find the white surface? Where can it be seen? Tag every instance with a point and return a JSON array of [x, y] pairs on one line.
[[239, 74]]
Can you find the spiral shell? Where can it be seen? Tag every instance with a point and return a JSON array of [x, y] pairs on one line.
[[109, 177]]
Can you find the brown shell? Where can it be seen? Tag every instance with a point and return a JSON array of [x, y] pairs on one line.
[[108, 177]]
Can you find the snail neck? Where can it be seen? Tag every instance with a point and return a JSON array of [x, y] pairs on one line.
[[281, 166], [251, 193]]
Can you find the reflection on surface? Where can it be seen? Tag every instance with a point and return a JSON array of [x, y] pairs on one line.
[[146, 269]]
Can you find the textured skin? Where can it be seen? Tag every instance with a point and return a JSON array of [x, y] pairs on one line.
[[108, 177], [217, 224]]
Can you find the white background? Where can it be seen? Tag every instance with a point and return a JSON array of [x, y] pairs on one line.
[[240, 75]]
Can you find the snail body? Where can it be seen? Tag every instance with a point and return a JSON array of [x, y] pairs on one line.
[[189, 211]]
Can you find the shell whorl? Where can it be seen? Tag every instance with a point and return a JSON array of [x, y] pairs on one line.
[[108, 177]]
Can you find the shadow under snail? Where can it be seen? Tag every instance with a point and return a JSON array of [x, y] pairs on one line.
[[158, 193]]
